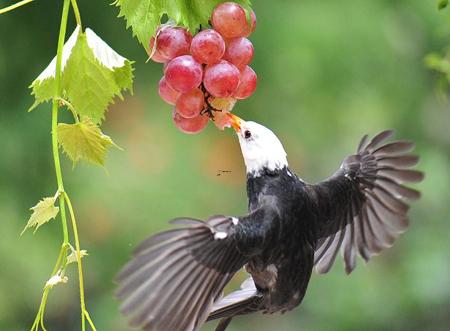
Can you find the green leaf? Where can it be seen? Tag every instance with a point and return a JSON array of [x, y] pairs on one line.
[[442, 4], [43, 212], [93, 74], [84, 140], [144, 16], [43, 87], [89, 81]]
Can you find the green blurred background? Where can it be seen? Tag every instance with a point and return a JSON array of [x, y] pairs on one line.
[[329, 71]]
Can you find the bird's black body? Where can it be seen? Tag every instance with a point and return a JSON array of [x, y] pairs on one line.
[[176, 279], [281, 270]]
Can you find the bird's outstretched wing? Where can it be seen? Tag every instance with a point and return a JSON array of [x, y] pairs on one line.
[[176, 276], [361, 208]]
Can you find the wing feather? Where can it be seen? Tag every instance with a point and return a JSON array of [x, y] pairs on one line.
[[175, 277], [363, 207]]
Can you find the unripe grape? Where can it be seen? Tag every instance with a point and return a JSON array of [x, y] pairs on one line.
[[167, 93], [208, 46], [183, 73], [173, 42], [190, 104], [221, 120], [252, 26], [229, 20], [224, 104], [221, 79], [239, 52], [247, 84], [156, 56], [190, 125]]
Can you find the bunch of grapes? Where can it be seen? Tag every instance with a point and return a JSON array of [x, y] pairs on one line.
[[204, 75]]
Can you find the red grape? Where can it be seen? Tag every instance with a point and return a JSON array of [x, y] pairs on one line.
[[212, 64], [190, 104], [247, 84], [167, 93], [239, 52], [221, 79], [190, 125], [156, 56], [229, 20], [251, 27], [208, 46], [183, 73], [173, 42]]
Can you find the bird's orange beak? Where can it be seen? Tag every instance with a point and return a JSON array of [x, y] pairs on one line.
[[235, 122]]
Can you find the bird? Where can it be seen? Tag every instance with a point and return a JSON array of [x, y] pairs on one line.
[[175, 280]]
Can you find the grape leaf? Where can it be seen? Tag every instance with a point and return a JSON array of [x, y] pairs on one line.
[[43, 87], [144, 16], [92, 75], [43, 212], [84, 140]]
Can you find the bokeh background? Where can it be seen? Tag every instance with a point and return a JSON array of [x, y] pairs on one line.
[[329, 71]]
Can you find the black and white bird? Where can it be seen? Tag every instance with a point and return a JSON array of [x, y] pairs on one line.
[[176, 278]]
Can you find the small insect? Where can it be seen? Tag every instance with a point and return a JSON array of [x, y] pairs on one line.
[[222, 172]]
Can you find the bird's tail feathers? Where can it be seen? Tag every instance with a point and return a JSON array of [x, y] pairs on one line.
[[240, 302]]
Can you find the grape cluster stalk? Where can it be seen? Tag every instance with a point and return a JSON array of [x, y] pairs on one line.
[[205, 74]]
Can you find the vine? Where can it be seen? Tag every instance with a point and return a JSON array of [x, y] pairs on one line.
[[70, 82], [58, 272]]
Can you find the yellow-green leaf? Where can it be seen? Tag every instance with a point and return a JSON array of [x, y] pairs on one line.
[[43, 212], [92, 75], [84, 140]]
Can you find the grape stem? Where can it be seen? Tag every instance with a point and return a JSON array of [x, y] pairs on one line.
[[209, 109]]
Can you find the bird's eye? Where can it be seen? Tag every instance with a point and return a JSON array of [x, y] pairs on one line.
[[247, 134]]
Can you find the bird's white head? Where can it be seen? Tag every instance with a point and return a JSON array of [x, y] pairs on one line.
[[260, 147]]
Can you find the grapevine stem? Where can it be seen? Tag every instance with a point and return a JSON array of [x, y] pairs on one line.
[[14, 6], [76, 11], [59, 179], [70, 107], [84, 312], [90, 321], [44, 297], [39, 320], [63, 197]]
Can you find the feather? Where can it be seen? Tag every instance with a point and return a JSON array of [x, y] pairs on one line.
[[362, 208], [176, 275]]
